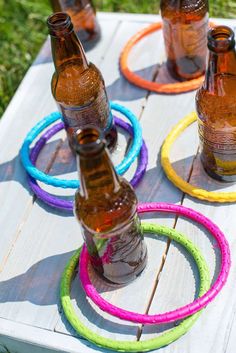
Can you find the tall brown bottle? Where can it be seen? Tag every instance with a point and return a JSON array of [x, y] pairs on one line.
[[106, 207], [77, 85], [185, 26], [216, 107], [83, 16]]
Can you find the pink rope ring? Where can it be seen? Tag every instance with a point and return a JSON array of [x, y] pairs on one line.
[[184, 311]]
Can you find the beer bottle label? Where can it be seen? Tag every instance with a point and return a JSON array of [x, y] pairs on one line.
[[96, 113]]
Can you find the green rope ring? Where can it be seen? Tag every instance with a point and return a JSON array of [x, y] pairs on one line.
[[130, 346]]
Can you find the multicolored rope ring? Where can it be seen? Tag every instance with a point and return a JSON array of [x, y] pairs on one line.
[[67, 205], [169, 88], [74, 184], [131, 346], [180, 183], [177, 314]]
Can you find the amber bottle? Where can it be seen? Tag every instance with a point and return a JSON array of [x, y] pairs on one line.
[[77, 85], [216, 107], [83, 16], [106, 207], [185, 27]]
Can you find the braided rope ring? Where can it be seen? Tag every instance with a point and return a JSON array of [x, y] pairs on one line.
[[180, 183], [174, 88], [182, 312], [67, 205], [131, 346], [74, 184]]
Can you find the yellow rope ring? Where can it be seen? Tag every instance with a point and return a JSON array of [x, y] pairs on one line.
[[178, 87], [176, 179]]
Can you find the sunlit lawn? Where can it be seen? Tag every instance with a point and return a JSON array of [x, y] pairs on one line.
[[23, 30]]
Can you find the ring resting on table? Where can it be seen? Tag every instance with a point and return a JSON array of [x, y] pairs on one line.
[[67, 205], [174, 88], [186, 310], [132, 346], [179, 182], [47, 121]]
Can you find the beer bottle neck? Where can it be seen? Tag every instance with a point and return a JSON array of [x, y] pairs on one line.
[[97, 175], [65, 44], [222, 55], [96, 172]]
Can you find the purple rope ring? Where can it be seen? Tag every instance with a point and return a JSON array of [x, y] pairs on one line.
[[67, 205], [184, 311]]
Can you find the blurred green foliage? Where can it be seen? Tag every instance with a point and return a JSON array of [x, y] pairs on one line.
[[23, 30]]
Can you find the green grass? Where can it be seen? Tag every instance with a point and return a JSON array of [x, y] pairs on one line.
[[23, 30]]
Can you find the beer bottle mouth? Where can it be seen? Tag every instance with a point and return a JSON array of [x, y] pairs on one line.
[[221, 39], [59, 24], [89, 140]]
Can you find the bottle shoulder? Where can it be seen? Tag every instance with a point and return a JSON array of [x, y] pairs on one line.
[[217, 104], [107, 211], [184, 10], [73, 85]]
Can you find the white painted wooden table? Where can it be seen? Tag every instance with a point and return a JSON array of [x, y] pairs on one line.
[[36, 241]]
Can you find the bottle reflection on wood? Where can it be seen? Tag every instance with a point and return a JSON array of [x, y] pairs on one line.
[[216, 107], [185, 26], [77, 85], [106, 207], [83, 16]]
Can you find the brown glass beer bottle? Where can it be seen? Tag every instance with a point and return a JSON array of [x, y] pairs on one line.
[[77, 85], [106, 207], [83, 16], [185, 26], [216, 107]]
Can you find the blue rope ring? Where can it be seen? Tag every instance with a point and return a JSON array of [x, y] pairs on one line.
[[74, 184]]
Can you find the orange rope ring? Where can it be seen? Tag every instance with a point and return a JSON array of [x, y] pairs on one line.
[[178, 87]]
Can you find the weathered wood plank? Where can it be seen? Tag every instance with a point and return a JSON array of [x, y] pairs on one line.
[[16, 337], [20, 116]]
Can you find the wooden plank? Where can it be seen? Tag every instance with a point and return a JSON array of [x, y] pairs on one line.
[[213, 332], [20, 116], [20, 338]]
